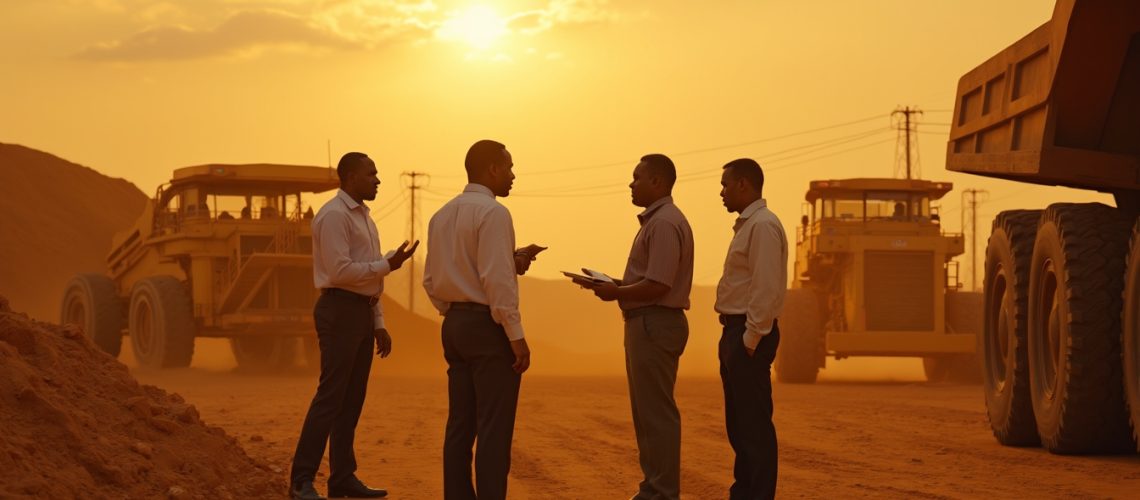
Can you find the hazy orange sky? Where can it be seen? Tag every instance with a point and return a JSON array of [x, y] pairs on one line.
[[135, 88]]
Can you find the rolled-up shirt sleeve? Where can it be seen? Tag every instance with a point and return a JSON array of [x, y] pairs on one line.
[[333, 235], [766, 290], [664, 242], [496, 264], [378, 316]]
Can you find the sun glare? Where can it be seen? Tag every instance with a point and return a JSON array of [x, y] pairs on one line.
[[478, 26]]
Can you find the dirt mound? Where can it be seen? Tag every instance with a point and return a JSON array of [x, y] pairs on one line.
[[56, 220], [78, 425]]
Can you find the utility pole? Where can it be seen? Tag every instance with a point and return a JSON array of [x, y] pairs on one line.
[[413, 185], [907, 111], [973, 206]]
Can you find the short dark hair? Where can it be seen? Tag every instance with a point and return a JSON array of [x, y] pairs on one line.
[[749, 170], [661, 166], [349, 163], [481, 153]]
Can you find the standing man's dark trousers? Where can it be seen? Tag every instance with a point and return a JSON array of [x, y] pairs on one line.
[[345, 335], [483, 393], [655, 337], [748, 409]]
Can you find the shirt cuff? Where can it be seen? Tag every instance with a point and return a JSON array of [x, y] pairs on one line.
[[514, 331], [381, 267], [377, 318], [752, 339]]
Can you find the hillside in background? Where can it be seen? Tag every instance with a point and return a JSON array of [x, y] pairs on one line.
[[56, 219]]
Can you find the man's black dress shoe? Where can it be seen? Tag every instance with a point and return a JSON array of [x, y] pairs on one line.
[[353, 488], [305, 491]]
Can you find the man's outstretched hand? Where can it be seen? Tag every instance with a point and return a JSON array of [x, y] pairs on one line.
[[403, 253]]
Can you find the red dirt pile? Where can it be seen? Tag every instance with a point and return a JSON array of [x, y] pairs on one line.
[[76, 424]]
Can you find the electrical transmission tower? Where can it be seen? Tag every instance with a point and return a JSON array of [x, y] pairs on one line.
[[972, 206], [413, 184], [907, 128]]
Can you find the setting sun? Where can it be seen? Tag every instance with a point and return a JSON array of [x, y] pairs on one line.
[[479, 26]]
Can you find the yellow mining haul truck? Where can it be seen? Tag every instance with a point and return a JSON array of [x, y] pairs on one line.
[[221, 251], [1061, 343], [875, 276]]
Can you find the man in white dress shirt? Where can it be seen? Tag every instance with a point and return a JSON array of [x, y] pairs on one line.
[[349, 270], [471, 277], [749, 298]]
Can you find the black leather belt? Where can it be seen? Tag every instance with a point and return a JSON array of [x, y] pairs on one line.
[[725, 319], [469, 306], [371, 300], [628, 314]]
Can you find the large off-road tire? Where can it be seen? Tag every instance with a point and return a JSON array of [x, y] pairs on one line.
[[1130, 332], [935, 368], [1003, 346], [964, 312], [92, 302], [800, 354], [161, 323], [264, 353], [1076, 282], [956, 368]]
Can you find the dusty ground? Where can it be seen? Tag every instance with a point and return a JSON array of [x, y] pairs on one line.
[[574, 438]]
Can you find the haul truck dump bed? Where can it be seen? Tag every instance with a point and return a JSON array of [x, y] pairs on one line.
[[1061, 106]]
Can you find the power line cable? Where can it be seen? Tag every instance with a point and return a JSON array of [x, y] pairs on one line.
[[795, 153], [394, 208], [714, 148], [708, 175]]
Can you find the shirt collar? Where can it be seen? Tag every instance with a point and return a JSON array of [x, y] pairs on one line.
[[478, 188], [348, 201], [752, 209], [652, 208]]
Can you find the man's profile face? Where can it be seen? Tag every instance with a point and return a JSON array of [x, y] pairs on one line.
[[365, 179], [642, 187], [502, 171], [729, 190]]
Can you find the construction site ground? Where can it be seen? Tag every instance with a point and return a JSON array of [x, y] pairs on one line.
[[574, 438]]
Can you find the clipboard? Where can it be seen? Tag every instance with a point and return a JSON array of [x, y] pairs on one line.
[[591, 279]]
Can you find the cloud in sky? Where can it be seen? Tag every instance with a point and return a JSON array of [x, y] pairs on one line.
[[242, 32], [252, 27]]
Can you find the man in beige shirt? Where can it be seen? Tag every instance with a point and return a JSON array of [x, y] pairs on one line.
[[749, 298], [653, 295], [471, 278]]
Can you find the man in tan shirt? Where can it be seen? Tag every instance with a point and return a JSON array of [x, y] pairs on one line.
[[471, 277], [749, 298], [653, 295]]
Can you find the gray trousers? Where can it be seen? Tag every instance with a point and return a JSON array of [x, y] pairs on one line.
[[655, 337]]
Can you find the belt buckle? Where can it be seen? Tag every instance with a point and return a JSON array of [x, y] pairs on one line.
[[373, 299]]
